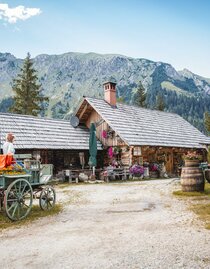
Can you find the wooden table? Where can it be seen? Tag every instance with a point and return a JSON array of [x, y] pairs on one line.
[[73, 174]]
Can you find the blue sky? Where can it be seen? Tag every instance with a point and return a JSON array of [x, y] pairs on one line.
[[177, 32]]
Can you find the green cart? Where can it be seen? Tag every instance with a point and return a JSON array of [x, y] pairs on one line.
[[206, 171], [18, 190]]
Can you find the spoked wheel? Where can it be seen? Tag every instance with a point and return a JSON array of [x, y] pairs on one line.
[[47, 198], [18, 199]]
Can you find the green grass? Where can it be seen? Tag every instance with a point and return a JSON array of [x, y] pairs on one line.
[[169, 86], [203, 209], [191, 194], [36, 213], [188, 194]]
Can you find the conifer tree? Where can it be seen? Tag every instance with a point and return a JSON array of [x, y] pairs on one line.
[[140, 96], [28, 98], [160, 104], [121, 100], [207, 121]]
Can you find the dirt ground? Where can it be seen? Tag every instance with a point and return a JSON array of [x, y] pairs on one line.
[[121, 225]]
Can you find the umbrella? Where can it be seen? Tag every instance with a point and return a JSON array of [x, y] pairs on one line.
[[92, 147]]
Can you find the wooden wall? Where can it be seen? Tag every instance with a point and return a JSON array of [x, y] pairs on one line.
[[108, 142]]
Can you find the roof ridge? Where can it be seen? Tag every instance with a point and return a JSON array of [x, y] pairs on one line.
[[138, 107], [31, 116]]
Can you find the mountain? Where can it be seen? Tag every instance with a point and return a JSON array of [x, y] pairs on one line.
[[66, 78]]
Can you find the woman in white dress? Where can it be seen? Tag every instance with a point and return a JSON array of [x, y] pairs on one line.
[[8, 147]]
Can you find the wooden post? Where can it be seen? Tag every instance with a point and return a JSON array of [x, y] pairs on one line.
[[70, 176], [130, 156], [172, 160]]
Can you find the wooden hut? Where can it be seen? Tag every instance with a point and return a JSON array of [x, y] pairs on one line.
[[55, 141], [140, 135]]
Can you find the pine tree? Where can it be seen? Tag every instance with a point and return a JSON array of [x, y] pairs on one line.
[[207, 121], [121, 100], [140, 96], [160, 104], [28, 98]]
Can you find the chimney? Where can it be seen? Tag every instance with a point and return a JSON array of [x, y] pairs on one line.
[[110, 93]]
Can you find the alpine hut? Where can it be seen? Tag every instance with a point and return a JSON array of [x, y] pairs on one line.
[[140, 135]]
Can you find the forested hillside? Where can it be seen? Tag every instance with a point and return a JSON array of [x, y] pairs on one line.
[[66, 78]]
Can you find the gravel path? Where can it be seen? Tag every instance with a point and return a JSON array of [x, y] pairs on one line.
[[127, 225]]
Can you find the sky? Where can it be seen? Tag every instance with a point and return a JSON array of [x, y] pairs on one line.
[[171, 31]]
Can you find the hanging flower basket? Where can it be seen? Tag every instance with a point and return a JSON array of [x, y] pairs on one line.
[[110, 152], [104, 134]]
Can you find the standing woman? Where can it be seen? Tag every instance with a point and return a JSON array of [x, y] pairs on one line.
[[8, 147]]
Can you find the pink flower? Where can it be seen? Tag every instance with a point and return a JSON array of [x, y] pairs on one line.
[[110, 152], [104, 134], [192, 156]]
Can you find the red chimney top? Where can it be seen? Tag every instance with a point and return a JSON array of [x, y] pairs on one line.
[[110, 93]]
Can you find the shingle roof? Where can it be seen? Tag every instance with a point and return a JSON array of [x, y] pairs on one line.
[[43, 133], [140, 126]]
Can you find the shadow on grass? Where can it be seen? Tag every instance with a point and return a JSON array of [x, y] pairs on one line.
[[36, 213]]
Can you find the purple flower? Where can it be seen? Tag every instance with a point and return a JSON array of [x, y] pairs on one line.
[[154, 167], [137, 170]]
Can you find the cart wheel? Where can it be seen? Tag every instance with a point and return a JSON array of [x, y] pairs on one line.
[[47, 198], [18, 199]]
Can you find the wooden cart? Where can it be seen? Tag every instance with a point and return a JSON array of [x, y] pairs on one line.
[[18, 188], [206, 171]]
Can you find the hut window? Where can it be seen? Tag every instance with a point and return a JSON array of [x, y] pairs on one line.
[[137, 151]]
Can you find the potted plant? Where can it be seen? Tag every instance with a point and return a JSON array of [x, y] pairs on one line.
[[192, 159], [137, 171], [154, 170]]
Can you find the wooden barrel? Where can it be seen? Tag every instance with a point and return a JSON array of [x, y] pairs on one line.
[[192, 179], [191, 163], [207, 175]]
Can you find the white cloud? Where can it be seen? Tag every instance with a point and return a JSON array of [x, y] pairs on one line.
[[11, 15]]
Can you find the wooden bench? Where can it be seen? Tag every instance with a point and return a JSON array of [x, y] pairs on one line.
[[120, 173]]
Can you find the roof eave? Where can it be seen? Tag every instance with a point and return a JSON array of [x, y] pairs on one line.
[[79, 105]]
